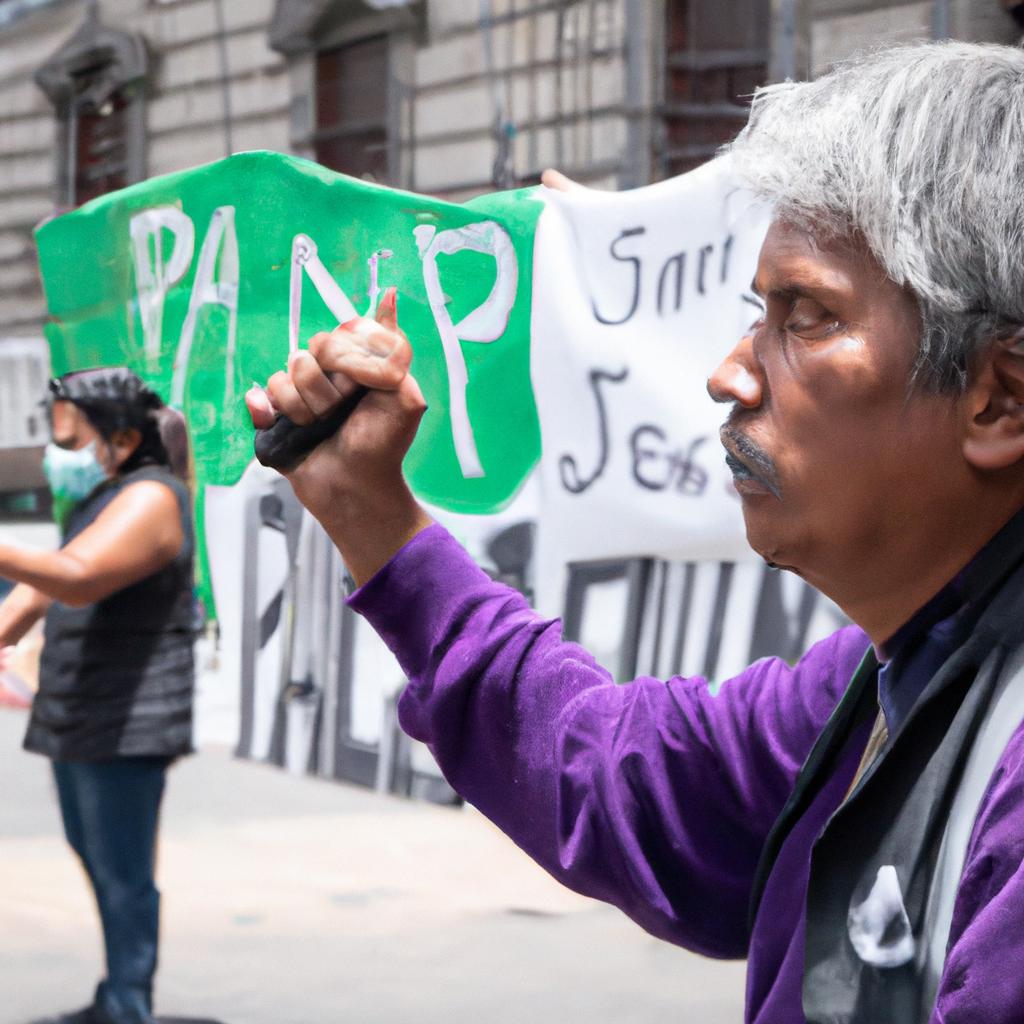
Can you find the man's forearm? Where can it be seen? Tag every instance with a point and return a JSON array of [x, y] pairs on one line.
[[368, 535], [23, 607]]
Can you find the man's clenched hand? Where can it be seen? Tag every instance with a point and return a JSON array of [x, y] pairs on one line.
[[352, 482]]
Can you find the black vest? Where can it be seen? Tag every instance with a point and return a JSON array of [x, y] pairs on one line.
[[116, 676], [896, 814]]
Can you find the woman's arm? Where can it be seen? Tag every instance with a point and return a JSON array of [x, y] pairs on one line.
[[19, 612], [136, 535]]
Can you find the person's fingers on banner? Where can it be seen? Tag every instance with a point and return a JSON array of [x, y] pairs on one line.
[[558, 181]]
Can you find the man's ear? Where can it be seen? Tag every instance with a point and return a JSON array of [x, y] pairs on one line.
[[994, 434]]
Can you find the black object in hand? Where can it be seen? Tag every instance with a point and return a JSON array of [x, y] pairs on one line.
[[284, 444]]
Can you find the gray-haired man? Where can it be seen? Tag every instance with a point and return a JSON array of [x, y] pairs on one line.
[[854, 825]]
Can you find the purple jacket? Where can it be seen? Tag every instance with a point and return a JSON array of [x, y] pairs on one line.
[[658, 796]]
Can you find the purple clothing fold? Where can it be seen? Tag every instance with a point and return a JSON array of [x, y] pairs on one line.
[[657, 796]]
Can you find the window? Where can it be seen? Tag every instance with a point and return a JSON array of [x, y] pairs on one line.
[[97, 84], [100, 140], [351, 109], [717, 54]]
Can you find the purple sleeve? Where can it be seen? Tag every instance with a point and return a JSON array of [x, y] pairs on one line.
[[983, 976], [653, 796]]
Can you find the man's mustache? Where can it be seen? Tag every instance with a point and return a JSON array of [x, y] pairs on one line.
[[750, 457]]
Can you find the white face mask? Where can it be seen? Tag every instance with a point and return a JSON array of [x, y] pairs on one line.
[[72, 474]]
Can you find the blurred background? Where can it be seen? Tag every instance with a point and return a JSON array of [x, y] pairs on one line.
[[352, 884]]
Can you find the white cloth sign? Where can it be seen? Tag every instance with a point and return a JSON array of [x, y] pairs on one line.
[[637, 296]]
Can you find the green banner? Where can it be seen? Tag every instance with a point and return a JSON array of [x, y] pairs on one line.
[[200, 281]]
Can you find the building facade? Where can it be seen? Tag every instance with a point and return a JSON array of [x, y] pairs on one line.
[[449, 97]]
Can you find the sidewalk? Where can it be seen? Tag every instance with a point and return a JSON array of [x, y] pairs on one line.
[[297, 901]]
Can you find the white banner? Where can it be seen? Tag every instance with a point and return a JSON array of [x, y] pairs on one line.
[[637, 296]]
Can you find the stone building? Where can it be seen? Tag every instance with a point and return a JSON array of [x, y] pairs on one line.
[[451, 97]]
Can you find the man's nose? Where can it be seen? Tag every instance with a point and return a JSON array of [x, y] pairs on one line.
[[738, 378]]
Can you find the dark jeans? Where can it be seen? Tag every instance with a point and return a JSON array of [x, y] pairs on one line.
[[110, 811]]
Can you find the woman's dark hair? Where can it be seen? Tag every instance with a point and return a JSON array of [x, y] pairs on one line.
[[113, 398]]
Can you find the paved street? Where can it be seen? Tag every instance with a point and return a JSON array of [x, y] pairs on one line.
[[296, 901]]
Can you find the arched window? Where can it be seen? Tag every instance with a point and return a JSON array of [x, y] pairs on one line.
[[350, 64], [352, 108], [97, 84]]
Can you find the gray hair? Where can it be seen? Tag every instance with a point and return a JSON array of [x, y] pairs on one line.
[[919, 150]]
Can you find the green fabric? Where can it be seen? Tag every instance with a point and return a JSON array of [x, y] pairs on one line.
[[90, 279]]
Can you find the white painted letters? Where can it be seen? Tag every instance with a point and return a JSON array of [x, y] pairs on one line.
[[217, 280], [216, 283], [153, 276], [486, 323], [305, 258]]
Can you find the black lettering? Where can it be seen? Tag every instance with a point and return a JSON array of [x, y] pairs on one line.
[[572, 481], [678, 264], [702, 259], [726, 253], [647, 444], [642, 455], [635, 260], [692, 478]]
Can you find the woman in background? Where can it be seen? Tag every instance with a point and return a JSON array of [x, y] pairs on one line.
[[114, 706]]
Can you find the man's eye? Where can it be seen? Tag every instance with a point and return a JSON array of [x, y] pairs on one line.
[[811, 322], [814, 330]]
